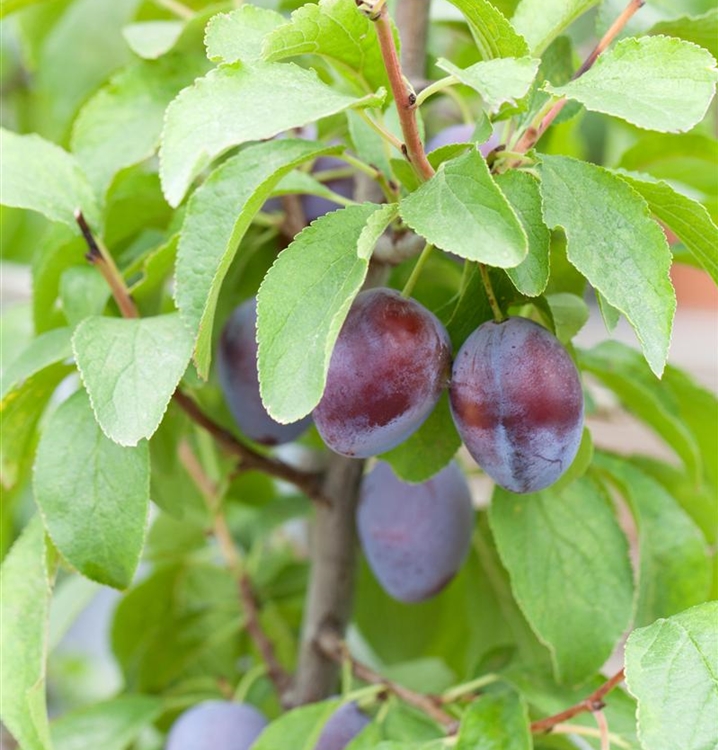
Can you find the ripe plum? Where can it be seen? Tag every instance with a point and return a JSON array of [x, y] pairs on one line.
[[216, 725], [415, 536], [389, 366], [517, 403], [345, 724], [461, 134]]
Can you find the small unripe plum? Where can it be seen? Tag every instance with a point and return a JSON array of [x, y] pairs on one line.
[[238, 378], [389, 366], [461, 134], [216, 725], [343, 726], [517, 403], [415, 536], [313, 205]]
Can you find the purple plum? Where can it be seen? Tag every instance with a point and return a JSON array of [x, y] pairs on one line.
[[216, 725]]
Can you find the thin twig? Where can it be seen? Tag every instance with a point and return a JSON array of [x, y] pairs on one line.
[[534, 133], [490, 294], [592, 703], [404, 98], [276, 673], [332, 646], [603, 729], [99, 256], [583, 731]]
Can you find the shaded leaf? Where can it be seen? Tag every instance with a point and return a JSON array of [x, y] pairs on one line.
[[239, 35], [541, 21], [493, 34]]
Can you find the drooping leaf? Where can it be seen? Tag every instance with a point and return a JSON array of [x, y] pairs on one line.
[[530, 277], [493, 34], [213, 115], [686, 218], [541, 21], [333, 29], [428, 450], [25, 580], [93, 494], [497, 721], [299, 728], [304, 300], [615, 244], [130, 369], [217, 217], [674, 572], [152, 39], [657, 83], [498, 81], [121, 124], [111, 725], [672, 669], [40, 176], [239, 35], [461, 210], [701, 30], [570, 314], [547, 538]]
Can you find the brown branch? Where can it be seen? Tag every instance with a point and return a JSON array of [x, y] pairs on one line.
[[533, 134], [276, 673], [99, 256], [330, 644], [404, 98], [592, 703]]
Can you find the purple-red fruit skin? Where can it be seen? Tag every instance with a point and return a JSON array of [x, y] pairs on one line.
[[238, 378], [390, 364], [216, 725], [517, 403], [343, 726], [313, 205], [461, 134], [415, 536]]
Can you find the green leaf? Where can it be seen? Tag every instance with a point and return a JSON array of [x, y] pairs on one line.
[[10, 6], [672, 669], [498, 81], [615, 244], [550, 538], [461, 210], [493, 34], [182, 621], [130, 369], [686, 218], [218, 215], [497, 721], [40, 176], [622, 369], [674, 571], [212, 116], [25, 581], [83, 292], [93, 494], [530, 277], [657, 83], [688, 158], [570, 314], [110, 725], [298, 729], [336, 30], [701, 30], [304, 300], [121, 124], [239, 35], [541, 21], [429, 449], [152, 39]]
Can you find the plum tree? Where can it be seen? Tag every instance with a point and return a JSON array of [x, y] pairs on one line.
[[216, 725], [517, 402], [389, 366], [345, 724], [461, 133], [313, 205], [237, 372], [415, 536]]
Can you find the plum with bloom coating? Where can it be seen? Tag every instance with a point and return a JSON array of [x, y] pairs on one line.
[[517, 403], [389, 366], [238, 378], [343, 726], [462, 134], [415, 536], [216, 725]]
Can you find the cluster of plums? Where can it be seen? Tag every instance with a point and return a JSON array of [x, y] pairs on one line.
[[222, 725]]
